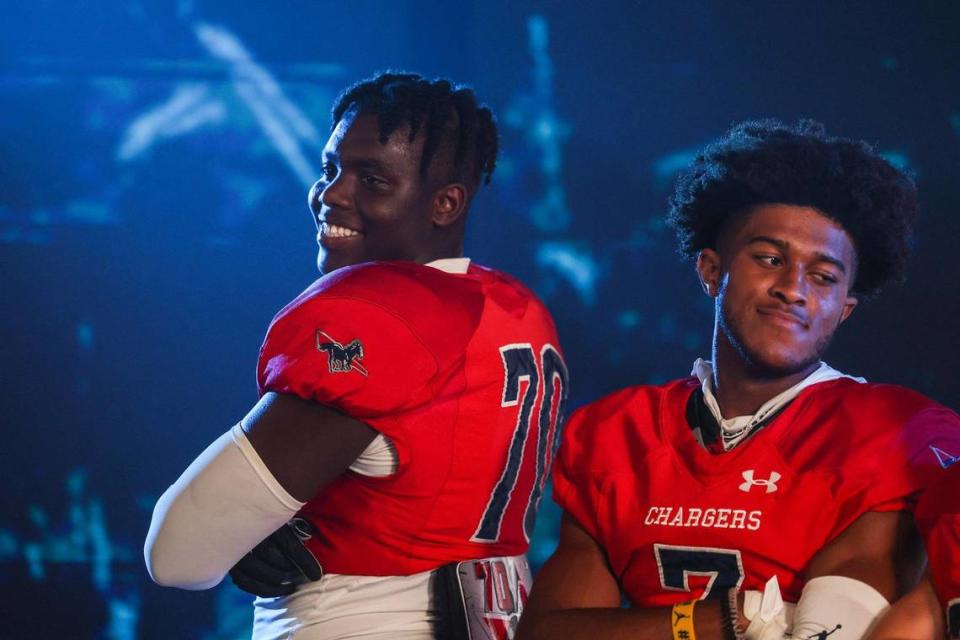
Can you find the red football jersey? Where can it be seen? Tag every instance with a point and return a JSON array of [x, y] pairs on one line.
[[938, 517], [464, 375], [678, 522]]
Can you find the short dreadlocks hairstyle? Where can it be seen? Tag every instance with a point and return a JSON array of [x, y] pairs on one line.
[[764, 162], [449, 115]]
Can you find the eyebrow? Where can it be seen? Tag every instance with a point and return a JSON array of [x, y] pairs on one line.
[[783, 245], [368, 163], [371, 163]]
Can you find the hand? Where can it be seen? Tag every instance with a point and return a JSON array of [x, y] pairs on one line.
[[742, 621], [768, 617], [280, 563]]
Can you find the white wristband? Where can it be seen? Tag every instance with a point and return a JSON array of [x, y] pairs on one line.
[[837, 607]]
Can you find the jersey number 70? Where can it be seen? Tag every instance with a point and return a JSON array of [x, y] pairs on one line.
[[520, 363]]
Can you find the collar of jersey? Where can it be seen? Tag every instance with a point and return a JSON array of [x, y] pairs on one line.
[[736, 429], [451, 265]]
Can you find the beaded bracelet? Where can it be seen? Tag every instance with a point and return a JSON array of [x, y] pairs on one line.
[[731, 628]]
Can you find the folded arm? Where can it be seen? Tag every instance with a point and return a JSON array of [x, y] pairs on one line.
[[576, 595], [246, 485], [916, 616]]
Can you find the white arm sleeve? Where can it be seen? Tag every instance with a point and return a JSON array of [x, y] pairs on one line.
[[837, 608], [223, 505]]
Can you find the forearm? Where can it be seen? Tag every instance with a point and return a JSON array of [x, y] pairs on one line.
[[221, 507], [915, 616], [619, 623]]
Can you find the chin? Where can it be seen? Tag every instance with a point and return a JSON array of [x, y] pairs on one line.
[[326, 264], [777, 363], [325, 267]]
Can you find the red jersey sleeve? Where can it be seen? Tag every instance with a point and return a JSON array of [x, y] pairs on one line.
[[920, 449], [575, 488], [938, 518], [347, 353], [594, 440]]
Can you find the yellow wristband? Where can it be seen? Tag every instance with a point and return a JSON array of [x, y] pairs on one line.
[[682, 623]]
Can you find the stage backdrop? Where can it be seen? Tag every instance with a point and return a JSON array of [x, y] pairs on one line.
[[154, 162]]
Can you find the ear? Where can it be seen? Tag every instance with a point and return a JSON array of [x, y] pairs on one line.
[[709, 271], [848, 306], [449, 204]]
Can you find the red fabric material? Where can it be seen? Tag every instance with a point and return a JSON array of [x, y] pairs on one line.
[[434, 385], [632, 473], [938, 517]]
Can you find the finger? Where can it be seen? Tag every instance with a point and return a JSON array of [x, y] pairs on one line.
[[272, 553], [252, 566], [290, 544], [254, 587]]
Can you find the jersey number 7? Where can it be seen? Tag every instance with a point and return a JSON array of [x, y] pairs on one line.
[[520, 363], [722, 568]]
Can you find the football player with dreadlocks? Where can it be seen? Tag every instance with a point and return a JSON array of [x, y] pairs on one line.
[[409, 402], [767, 494]]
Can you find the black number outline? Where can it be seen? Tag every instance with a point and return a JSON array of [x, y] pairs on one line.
[[521, 363], [673, 562], [953, 618]]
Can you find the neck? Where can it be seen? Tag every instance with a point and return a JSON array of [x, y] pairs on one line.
[[449, 247], [739, 387]]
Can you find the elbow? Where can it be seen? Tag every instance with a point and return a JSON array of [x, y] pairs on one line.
[[160, 572], [155, 568], [172, 557], [530, 627], [217, 511], [168, 570]]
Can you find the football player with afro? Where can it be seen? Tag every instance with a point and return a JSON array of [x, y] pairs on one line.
[[767, 494]]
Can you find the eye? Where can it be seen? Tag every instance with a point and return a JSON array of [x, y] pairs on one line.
[[370, 180], [825, 278], [768, 259], [329, 171]]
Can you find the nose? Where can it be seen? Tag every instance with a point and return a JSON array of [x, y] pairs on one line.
[[790, 286], [329, 193], [335, 192]]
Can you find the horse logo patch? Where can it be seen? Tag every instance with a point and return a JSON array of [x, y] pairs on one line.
[[340, 358]]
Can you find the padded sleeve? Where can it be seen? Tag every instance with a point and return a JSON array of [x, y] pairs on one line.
[[349, 354], [921, 449], [837, 607], [938, 518], [576, 490]]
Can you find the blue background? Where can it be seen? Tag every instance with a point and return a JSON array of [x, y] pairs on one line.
[[154, 162]]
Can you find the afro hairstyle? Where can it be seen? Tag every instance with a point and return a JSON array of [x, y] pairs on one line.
[[765, 162]]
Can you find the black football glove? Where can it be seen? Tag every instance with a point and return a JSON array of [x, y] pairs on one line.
[[278, 564]]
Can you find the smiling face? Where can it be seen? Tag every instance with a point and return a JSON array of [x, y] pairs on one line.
[[782, 276], [372, 203]]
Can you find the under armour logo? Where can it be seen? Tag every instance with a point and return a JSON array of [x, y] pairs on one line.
[[770, 483], [340, 358]]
